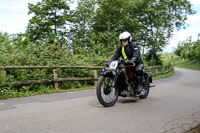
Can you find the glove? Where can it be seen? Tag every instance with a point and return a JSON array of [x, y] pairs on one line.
[[133, 60], [108, 63]]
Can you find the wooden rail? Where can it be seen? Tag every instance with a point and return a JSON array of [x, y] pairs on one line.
[[55, 75], [51, 67]]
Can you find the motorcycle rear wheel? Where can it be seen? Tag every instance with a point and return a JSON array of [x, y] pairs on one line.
[[107, 92]]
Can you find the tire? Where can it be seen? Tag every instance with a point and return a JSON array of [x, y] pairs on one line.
[[146, 86], [106, 93]]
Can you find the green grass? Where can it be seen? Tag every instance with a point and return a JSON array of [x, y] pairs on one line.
[[162, 76], [6, 93], [171, 58], [188, 65]]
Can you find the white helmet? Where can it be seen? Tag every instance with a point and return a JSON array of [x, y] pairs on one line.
[[125, 36]]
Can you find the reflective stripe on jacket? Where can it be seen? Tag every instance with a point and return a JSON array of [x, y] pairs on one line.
[[132, 50], [124, 54]]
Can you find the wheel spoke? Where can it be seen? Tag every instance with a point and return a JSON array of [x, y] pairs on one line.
[[111, 96], [106, 92]]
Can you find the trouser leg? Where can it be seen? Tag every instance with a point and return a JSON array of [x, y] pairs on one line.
[[139, 74], [140, 80]]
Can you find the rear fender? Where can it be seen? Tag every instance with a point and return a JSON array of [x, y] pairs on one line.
[[149, 78]]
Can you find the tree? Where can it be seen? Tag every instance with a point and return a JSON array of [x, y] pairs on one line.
[[157, 22], [151, 22], [196, 51], [189, 50], [4, 39], [80, 28], [50, 22]]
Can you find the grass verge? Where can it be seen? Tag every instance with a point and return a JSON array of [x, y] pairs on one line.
[[162, 76], [7, 93], [188, 65], [171, 58]]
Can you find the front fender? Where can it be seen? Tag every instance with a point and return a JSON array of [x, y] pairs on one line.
[[107, 73]]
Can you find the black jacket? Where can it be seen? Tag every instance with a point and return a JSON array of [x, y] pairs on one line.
[[131, 50]]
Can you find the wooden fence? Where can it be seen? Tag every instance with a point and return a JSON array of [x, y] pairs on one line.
[[154, 70]]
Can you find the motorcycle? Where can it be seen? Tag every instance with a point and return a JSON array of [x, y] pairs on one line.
[[115, 81]]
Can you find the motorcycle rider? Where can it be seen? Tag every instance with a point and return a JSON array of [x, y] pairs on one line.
[[131, 53]]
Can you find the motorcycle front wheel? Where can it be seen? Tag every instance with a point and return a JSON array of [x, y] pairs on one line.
[[146, 86], [107, 92]]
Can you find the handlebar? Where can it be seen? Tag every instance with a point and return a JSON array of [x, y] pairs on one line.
[[124, 62], [127, 63]]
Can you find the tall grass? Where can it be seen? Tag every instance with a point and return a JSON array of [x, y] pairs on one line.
[[171, 58]]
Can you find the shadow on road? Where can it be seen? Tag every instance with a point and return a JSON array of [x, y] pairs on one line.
[[127, 100]]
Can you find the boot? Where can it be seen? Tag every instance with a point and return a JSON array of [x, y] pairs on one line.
[[140, 84]]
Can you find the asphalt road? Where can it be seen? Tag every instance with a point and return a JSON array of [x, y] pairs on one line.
[[173, 106]]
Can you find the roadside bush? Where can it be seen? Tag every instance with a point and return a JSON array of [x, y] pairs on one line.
[[47, 55], [189, 50]]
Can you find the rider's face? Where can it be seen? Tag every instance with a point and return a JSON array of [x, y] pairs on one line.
[[125, 42]]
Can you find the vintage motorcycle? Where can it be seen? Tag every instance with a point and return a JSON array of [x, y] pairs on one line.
[[115, 81]]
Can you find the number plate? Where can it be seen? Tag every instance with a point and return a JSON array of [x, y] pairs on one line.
[[113, 64]]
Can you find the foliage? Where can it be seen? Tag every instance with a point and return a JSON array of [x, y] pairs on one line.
[[151, 27], [49, 22], [188, 64], [153, 59], [96, 24], [44, 55], [4, 39], [177, 61], [189, 50]]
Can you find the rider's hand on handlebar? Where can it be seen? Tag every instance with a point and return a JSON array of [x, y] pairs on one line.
[[133, 60], [107, 64], [130, 62]]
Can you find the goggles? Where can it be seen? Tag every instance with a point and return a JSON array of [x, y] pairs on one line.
[[124, 40]]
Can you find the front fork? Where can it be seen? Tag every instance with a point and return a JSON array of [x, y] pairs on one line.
[[108, 87]]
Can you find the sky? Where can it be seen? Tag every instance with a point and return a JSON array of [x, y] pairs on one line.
[[192, 28], [14, 19]]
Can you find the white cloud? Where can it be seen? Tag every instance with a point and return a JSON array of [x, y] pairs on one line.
[[193, 19], [195, 2], [182, 35], [14, 15], [12, 7]]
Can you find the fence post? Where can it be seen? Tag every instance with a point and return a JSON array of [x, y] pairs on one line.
[[168, 67], [95, 76], [3, 74], [55, 76], [163, 69], [156, 71]]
